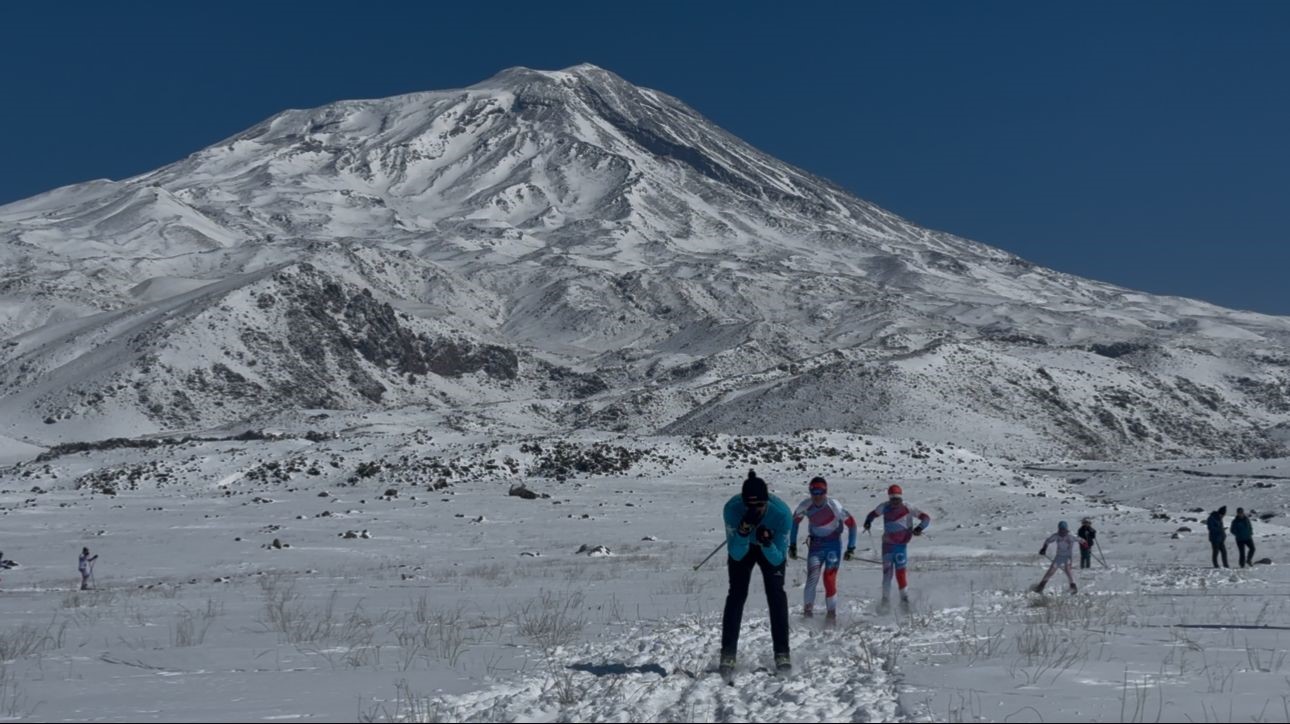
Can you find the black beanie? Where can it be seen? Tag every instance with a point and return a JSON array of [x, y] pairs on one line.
[[755, 490], [1222, 510]]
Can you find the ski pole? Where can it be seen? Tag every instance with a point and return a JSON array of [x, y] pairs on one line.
[[1101, 558], [710, 555]]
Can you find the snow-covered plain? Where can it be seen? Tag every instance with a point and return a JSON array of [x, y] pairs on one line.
[[467, 603]]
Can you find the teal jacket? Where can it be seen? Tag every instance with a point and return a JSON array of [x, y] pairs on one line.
[[778, 518]]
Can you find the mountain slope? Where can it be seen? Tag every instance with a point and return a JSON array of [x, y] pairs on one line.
[[610, 234]]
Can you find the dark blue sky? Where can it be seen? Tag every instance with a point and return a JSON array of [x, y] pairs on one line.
[[1140, 143]]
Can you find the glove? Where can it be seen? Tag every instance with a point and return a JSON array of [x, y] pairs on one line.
[[765, 535], [918, 530], [851, 553], [792, 551], [744, 529], [1043, 551], [866, 527]]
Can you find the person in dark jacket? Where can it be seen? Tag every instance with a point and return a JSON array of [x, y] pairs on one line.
[[1243, 532], [1087, 537], [1218, 535], [757, 526]]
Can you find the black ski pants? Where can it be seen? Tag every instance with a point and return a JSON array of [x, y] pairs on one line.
[[1220, 549], [740, 576], [1245, 558]]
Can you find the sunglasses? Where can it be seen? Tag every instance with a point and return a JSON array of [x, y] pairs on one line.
[[817, 491]]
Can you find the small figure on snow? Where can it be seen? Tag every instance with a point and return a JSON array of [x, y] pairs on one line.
[[1243, 532], [1065, 543], [1217, 536], [824, 551], [5, 563], [86, 566], [757, 525], [1088, 538], [898, 529]]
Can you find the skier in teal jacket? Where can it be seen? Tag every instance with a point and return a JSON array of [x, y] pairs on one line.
[[757, 526]]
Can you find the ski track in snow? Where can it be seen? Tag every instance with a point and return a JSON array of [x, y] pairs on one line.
[[668, 673]]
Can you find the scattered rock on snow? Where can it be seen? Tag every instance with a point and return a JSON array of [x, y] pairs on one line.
[[521, 491]]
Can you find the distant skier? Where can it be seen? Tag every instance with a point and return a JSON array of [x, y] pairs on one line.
[[824, 535], [1243, 532], [898, 529], [1065, 543], [757, 525], [1217, 536], [1088, 538], [86, 566]]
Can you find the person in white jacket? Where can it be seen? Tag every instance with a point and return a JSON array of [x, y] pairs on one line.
[[1065, 551]]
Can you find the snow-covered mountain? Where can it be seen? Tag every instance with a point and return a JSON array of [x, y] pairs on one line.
[[580, 252]]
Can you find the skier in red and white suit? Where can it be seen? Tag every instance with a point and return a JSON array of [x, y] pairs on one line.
[[898, 528], [827, 517]]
